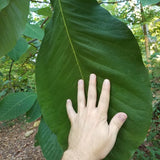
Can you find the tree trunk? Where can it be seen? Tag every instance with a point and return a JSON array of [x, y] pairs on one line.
[[144, 26]]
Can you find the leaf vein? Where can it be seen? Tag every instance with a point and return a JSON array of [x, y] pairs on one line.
[[69, 37]]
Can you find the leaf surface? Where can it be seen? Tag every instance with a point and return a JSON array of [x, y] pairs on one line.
[[149, 2], [19, 49], [33, 31], [12, 23], [42, 11], [3, 4], [83, 38], [48, 142], [16, 104], [34, 113]]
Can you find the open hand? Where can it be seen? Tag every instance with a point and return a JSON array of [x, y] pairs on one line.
[[91, 137]]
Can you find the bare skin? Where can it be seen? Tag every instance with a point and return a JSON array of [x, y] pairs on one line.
[[91, 137]]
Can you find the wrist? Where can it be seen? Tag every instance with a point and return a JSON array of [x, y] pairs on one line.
[[76, 155], [68, 155]]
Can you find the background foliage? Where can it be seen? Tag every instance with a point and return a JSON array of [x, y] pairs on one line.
[[17, 67]]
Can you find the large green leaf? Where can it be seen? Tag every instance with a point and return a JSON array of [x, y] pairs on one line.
[[83, 38], [149, 2], [3, 4], [16, 104], [19, 49], [12, 23], [48, 142]]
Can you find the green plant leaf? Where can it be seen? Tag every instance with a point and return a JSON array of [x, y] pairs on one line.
[[37, 44], [45, 11], [16, 104], [48, 142], [34, 113], [3, 4], [149, 2], [29, 53], [42, 11], [12, 23], [6, 82], [83, 38], [33, 31], [19, 49], [1, 74], [3, 92]]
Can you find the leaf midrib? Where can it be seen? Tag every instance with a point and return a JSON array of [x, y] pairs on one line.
[[69, 38]]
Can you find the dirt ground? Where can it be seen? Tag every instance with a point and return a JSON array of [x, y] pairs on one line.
[[17, 141]]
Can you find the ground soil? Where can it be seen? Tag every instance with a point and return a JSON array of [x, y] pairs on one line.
[[15, 144]]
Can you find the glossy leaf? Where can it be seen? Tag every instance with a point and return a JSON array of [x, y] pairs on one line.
[[16, 104], [149, 2], [3, 4], [48, 142], [83, 38], [19, 49], [34, 31], [12, 23]]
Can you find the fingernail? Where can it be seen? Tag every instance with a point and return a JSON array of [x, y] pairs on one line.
[[106, 81], [122, 116], [68, 100], [92, 75], [80, 82]]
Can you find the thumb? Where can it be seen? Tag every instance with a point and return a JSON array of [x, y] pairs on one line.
[[116, 122]]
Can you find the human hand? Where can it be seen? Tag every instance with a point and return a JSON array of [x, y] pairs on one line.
[[91, 137]]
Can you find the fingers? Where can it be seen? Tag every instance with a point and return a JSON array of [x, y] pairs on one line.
[[92, 93], [104, 97], [81, 95], [70, 111], [116, 122]]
